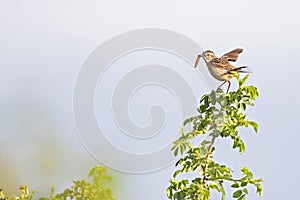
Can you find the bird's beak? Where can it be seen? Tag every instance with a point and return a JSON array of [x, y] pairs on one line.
[[197, 61]]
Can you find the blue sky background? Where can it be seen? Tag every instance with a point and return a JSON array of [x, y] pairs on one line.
[[44, 43]]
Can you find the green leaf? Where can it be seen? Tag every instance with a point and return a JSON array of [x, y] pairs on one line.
[[178, 162], [242, 147], [243, 106], [242, 82], [245, 190], [235, 185], [178, 196], [247, 172], [222, 189], [214, 187], [243, 197], [169, 192], [203, 108], [254, 125], [187, 121], [259, 190], [182, 148], [176, 151], [176, 173], [174, 145], [237, 194], [205, 142], [206, 103], [213, 97], [182, 132], [243, 184]]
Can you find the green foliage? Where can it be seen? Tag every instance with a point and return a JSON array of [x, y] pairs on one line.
[[220, 115], [80, 190], [24, 194]]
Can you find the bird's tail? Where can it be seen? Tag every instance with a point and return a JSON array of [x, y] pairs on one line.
[[243, 69]]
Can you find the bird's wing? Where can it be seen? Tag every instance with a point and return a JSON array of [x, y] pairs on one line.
[[222, 63], [233, 55]]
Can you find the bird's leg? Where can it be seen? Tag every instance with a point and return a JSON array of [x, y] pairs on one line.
[[197, 60], [229, 83], [221, 85]]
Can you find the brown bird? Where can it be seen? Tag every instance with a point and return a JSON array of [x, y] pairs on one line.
[[220, 68]]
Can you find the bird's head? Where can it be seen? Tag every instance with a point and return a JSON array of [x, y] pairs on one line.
[[208, 55]]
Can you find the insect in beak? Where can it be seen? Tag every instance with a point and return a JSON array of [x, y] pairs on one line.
[[197, 61]]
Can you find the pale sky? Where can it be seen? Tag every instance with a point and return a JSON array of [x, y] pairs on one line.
[[43, 45]]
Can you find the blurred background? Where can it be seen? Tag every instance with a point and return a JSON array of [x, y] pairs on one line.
[[43, 45]]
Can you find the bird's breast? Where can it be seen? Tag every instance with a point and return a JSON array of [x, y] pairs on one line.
[[217, 73]]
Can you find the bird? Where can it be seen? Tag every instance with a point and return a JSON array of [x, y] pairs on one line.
[[221, 68]]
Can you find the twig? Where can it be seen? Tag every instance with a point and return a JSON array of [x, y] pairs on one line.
[[207, 159]]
